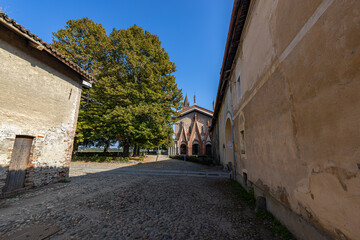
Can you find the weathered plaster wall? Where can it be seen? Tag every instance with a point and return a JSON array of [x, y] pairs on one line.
[[298, 62], [223, 116], [38, 101]]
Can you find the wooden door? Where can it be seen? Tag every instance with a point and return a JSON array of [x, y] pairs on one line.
[[18, 164]]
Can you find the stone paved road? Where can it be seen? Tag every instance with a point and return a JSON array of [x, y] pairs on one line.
[[168, 199]]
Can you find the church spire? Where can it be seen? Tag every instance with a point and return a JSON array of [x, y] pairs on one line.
[[186, 103]]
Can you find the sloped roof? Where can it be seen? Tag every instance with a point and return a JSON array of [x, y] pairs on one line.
[[237, 22], [196, 108], [42, 45]]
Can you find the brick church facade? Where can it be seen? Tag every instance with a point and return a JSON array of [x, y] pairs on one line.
[[192, 130]]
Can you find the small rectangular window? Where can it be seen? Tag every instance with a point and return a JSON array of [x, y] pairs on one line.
[[238, 87]]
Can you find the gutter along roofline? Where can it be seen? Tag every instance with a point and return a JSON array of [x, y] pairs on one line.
[[41, 45], [237, 22]]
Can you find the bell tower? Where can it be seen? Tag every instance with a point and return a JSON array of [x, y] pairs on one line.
[[186, 103]]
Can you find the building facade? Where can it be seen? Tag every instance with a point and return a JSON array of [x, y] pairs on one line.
[[192, 130], [39, 103], [287, 111]]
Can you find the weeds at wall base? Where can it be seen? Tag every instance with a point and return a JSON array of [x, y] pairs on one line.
[[65, 180], [270, 222]]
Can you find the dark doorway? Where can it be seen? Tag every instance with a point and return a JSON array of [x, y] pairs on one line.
[[208, 150], [195, 149], [183, 149], [18, 164]]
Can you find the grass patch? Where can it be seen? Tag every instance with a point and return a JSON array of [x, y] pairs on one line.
[[270, 222], [245, 196]]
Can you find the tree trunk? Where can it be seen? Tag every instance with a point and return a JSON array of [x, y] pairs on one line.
[[126, 149], [107, 145], [75, 147], [136, 150]]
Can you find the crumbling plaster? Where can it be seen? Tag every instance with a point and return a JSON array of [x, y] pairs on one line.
[[298, 64], [36, 100]]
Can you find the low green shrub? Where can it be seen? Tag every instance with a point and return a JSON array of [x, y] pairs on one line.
[[100, 159], [141, 158]]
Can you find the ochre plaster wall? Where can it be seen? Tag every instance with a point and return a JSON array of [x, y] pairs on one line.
[[38, 101], [298, 62]]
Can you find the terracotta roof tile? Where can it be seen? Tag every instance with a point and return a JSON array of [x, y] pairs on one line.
[[49, 48], [195, 107]]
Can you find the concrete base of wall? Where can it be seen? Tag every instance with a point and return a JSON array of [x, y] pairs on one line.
[[296, 224]]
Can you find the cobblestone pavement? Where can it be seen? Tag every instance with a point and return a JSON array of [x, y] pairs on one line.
[[168, 199]]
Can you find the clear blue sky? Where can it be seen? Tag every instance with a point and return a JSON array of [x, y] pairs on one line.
[[193, 32]]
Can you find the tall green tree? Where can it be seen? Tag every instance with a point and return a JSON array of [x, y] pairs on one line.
[[139, 88], [85, 43], [135, 84]]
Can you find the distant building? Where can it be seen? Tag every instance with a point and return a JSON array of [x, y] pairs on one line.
[[288, 108], [192, 130], [39, 103]]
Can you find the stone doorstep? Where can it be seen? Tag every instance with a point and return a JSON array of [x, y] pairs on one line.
[[36, 232]]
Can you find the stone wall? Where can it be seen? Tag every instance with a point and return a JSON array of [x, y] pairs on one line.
[[298, 64], [39, 98]]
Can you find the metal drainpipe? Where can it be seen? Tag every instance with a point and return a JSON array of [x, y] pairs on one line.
[[232, 130]]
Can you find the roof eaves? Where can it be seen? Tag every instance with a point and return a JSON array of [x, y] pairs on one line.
[[196, 108], [42, 45], [237, 22]]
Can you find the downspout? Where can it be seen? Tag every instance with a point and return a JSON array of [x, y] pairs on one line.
[[232, 130]]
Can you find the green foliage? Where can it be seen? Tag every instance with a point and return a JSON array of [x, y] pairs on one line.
[[135, 83], [141, 158], [274, 225], [240, 192], [65, 180], [85, 43], [100, 159]]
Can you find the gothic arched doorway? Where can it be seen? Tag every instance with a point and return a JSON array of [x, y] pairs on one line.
[[183, 148], [208, 149], [195, 149]]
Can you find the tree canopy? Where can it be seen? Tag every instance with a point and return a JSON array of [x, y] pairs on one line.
[[135, 83]]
